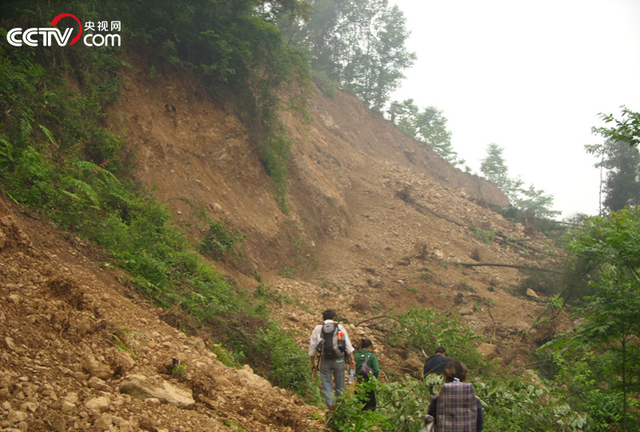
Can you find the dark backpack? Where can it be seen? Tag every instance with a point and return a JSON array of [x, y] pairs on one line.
[[332, 342]]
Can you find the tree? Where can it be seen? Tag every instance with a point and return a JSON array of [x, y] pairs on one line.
[[611, 245], [620, 156], [403, 115], [534, 201], [494, 168], [360, 44], [428, 126]]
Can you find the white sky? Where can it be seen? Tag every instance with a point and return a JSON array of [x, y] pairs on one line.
[[530, 76]]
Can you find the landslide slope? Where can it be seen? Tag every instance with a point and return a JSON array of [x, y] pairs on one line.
[[375, 222]]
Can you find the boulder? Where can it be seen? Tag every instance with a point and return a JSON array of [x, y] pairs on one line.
[[488, 351], [246, 378], [144, 387]]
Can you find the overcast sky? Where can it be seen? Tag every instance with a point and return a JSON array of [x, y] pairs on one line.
[[530, 76]]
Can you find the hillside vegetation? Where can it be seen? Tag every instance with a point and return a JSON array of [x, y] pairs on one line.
[[176, 214]]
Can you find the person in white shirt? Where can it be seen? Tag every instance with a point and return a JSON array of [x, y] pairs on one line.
[[331, 362]]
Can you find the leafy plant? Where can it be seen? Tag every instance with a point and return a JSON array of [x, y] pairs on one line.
[[485, 236], [426, 329], [218, 240]]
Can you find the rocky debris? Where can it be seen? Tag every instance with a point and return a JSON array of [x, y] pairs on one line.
[[62, 369], [489, 351]]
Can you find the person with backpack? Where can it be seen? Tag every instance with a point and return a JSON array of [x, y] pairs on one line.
[[328, 347], [366, 366], [456, 408]]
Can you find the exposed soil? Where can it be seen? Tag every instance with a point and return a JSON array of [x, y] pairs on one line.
[[376, 222]]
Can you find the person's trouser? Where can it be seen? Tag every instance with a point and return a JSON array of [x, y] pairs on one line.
[[371, 402], [332, 368]]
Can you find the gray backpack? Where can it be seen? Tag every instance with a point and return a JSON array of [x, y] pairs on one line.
[[332, 342]]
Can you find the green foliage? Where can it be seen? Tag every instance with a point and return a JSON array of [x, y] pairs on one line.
[[428, 126], [360, 45], [218, 240], [600, 357], [349, 417], [513, 405], [620, 156], [427, 329], [485, 236], [532, 201], [272, 352], [125, 340], [508, 405]]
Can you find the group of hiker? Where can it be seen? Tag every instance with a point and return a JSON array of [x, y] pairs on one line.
[[454, 408]]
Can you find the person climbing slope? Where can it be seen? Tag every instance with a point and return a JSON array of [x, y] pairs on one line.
[[366, 356], [329, 346], [456, 408]]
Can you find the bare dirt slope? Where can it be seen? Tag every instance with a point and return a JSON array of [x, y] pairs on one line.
[[376, 222], [81, 352]]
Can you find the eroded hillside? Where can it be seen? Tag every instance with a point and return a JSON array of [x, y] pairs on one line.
[[376, 222], [371, 211]]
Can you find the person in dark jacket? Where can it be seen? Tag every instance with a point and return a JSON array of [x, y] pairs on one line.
[[366, 355], [435, 364], [457, 408]]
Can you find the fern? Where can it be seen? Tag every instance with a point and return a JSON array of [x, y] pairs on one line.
[[84, 188], [6, 151], [87, 166], [25, 129], [48, 134]]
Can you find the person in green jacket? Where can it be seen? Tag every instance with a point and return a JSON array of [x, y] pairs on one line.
[[366, 355]]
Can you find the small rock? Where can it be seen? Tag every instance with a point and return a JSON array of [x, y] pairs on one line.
[[96, 368], [98, 384], [103, 423], [532, 293], [16, 416], [99, 404], [67, 407], [521, 326], [466, 310], [199, 345], [71, 398], [488, 350], [9, 343], [29, 406]]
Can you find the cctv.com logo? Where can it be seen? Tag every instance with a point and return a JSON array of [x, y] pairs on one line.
[[47, 36]]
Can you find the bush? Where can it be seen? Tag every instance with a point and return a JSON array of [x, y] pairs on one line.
[[219, 240], [426, 329]]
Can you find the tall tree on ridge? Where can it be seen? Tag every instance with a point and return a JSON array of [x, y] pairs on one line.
[[620, 156], [361, 44]]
